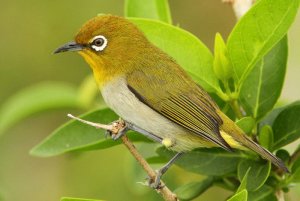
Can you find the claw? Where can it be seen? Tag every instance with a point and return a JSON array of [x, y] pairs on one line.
[[120, 133], [157, 184], [121, 127]]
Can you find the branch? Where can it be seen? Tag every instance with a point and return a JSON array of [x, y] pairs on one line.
[[279, 195], [114, 128], [240, 7], [165, 192]]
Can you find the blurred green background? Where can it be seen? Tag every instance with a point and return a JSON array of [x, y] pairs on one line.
[[30, 31]]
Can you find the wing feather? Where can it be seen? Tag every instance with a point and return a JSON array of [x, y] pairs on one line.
[[159, 82], [191, 108]]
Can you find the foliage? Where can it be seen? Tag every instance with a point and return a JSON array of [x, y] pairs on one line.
[[247, 72]]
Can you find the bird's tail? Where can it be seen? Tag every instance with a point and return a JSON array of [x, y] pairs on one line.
[[264, 153], [231, 129]]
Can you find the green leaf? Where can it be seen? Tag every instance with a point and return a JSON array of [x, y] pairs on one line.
[[186, 48], [296, 165], [266, 137], [257, 32], [246, 124], [244, 181], [38, 98], [258, 173], [153, 9], [270, 118], [262, 87], [194, 189], [76, 199], [211, 162], [241, 196], [286, 126], [295, 177], [75, 136], [156, 160], [265, 193], [283, 154]]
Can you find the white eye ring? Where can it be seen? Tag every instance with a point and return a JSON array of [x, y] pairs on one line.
[[99, 43]]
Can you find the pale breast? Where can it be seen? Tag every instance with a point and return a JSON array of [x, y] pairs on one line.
[[122, 101]]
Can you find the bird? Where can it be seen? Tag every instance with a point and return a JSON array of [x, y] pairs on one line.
[[153, 94]]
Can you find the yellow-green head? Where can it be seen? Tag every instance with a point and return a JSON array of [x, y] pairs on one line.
[[110, 44]]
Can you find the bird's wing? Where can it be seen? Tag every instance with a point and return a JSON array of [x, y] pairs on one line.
[[180, 100]]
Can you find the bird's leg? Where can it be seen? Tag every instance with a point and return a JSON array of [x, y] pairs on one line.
[[125, 126], [156, 183], [118, 128], [129, 126], [161, 171], [144, 132]]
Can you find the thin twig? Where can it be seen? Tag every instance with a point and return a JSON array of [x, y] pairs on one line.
[[96, 125], [114, 128], [279, 195], [166, 193], [240, 7]]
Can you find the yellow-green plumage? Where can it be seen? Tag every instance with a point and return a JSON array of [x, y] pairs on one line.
[[148, 88], [163, 86]]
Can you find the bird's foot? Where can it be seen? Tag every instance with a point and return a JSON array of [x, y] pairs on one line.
[[120, 129], [155, 183]]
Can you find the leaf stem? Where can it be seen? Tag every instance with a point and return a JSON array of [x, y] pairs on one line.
[[236, 108], [223, 96], [240, 7], [227, 88]]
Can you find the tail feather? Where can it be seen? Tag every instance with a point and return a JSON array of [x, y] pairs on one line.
[[264, 153], [231, 129]]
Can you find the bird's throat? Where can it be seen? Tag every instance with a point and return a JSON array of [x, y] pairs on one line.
[[101, 74]]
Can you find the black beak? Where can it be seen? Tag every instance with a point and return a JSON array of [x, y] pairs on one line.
[[70, 46]]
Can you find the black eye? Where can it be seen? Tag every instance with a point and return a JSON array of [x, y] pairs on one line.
[[98, 42]]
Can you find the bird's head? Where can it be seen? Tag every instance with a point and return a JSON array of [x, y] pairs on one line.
[[110, 45]]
